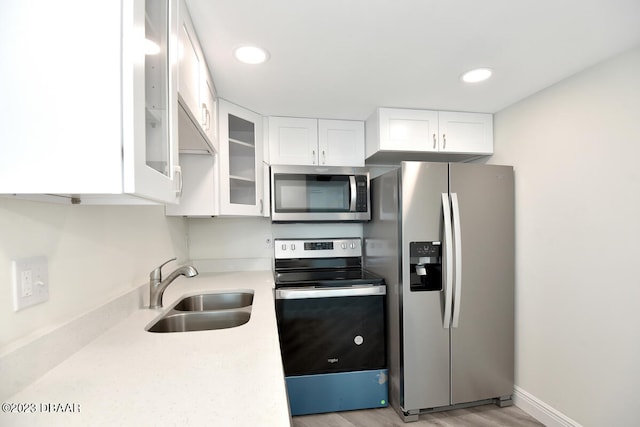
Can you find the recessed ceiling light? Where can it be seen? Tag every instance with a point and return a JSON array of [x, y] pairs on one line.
[[251, 54], [477, 75]]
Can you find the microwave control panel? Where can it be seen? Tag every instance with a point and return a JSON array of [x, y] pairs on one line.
[[361, 193]]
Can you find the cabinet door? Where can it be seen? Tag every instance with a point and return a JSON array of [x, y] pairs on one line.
[[340, 143], [240, 161], [196, 90], [466, 132], [151, 154], [200, 192], [131, 150], [408, 130], [210, 110], [293, 141], [190, 63], [62, 133]]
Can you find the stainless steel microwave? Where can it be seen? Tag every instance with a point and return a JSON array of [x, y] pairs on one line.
[[319, 194]]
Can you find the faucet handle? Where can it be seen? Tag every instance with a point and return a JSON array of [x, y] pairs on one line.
[[156, 274]]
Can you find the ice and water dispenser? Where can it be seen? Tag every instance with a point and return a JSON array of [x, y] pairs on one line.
[[426, 266]]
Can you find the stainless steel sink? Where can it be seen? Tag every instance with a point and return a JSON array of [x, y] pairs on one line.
[[200, 321], [219, 301], [204, 312]]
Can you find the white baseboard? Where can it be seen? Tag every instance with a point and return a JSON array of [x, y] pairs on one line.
[[544, 413]]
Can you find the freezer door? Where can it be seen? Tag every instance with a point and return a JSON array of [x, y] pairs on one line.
[[482, 344], [425, 342]]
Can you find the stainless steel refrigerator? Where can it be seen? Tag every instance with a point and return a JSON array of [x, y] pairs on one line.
[[442, 236]]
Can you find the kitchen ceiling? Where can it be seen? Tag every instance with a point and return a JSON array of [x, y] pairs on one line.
[[344, 58]]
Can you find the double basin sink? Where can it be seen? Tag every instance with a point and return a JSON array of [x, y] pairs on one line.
[[203, 312]]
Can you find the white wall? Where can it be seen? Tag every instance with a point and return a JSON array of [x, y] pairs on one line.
[[575, 147], [95, 253], [251, 238]]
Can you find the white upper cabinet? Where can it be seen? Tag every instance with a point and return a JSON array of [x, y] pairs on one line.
[[233, 183], [465, 132], [302, 141], [240, 161], [293, 141], [408, 130], [190, 63], [404, 134], [340, 143], [197, 94], [210, 111], [88, 104], [200, 195]]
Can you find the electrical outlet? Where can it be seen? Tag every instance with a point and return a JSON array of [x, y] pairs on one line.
[[26, 284], [30, 281]]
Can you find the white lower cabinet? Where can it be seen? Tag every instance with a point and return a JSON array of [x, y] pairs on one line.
[[98, 124], [406, 134], [303, 141]]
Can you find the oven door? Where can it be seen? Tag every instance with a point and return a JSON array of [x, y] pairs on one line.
[[329, 330]]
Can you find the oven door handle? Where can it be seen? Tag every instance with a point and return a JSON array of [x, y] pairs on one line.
[[352, 291]]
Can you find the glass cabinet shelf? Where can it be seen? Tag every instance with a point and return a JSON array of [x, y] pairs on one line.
[[242, 143]]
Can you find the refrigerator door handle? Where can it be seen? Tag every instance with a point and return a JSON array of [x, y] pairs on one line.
[[448, 245], [455, 206]]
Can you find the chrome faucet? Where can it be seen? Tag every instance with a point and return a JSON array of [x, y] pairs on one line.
[[157, 286]]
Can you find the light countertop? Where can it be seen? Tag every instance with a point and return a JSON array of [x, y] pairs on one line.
[[128, 376]]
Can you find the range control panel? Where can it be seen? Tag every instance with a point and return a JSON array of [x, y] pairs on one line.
[[317, 248]]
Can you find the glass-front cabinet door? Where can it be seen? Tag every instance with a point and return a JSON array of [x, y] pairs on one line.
[[150, 141], [240, 161], [156, 93], [107, 129]]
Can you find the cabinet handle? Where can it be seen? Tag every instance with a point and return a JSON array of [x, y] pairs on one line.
[[313, 157], [178, 174], [324, 158], [261, 206], [206, 118], [203, 115], [444, 141], [434, 141]]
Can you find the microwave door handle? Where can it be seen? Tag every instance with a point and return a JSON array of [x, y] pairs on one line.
[[354, 194]]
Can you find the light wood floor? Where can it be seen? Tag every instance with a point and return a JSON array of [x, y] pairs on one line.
[[479, 416]]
